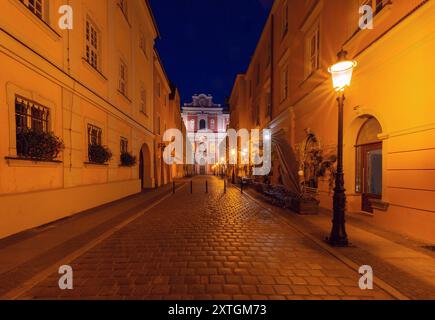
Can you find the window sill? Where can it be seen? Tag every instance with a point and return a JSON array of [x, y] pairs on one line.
[[88, 65], [379, 205], [97, 165], [124, 96], [31, 162]]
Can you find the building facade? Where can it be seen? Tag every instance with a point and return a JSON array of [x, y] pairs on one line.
[[389, 120], [92, 87], [203, 116]]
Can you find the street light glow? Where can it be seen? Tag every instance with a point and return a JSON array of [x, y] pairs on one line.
[[342, 72]]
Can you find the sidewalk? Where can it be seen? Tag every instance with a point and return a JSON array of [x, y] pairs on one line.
[[25, 254], [400, 262]]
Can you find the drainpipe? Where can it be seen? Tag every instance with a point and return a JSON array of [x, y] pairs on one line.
[[272, 65]]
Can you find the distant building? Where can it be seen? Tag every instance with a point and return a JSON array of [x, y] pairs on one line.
[[200, 117]]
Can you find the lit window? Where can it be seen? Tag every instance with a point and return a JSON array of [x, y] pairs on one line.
[[123, 78], [192, 124], [36, 7], [212, 123], [92, 45]]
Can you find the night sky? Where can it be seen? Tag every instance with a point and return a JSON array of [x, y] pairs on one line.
[[205, 43]]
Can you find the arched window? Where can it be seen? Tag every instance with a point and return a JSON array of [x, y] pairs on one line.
[[369, 132], [202, 124]]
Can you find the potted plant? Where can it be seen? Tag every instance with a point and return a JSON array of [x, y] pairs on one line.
[[127, 159], [38, 145], [99, 154]]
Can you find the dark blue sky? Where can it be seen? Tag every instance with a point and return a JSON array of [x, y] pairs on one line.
[[205, 43]]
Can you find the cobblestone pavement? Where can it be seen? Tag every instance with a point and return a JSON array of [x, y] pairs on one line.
[[207, 246]]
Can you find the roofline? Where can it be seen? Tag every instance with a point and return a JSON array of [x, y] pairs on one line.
[[238, 76], [262, 35], [162, 67], [153, 18]]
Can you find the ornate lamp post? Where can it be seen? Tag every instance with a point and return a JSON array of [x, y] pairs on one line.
[[341, 73]]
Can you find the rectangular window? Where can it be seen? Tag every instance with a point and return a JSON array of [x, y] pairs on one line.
[[158, 125], [284, 84], [284, 27], [268, 105], [269, 53], [123, 145], [94, 135], [123, 77], [36, 7], [29, 115], [92, 45], [313, 50], [143, 45], [376, 5], [143, 101]]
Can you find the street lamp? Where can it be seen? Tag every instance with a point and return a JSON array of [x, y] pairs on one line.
[[233, 159], [341, 73]]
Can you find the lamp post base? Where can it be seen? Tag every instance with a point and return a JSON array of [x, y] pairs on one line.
[[337, 242]]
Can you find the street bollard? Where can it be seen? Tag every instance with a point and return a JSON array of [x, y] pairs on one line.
[[191, 186], [241, 186], [173, 187], [225, 185], [206, 186]]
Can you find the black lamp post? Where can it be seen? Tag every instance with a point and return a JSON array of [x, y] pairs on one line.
[[341, 77]]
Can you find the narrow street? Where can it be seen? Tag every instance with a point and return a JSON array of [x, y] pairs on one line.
[[205, 246]]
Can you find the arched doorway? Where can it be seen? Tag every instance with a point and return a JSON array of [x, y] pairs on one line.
[[369, 163], [145, 167]]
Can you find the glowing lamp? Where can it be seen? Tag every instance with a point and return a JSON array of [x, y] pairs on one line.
[[341, 72]]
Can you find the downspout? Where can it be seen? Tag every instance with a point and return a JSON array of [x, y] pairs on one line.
[[272, 66]]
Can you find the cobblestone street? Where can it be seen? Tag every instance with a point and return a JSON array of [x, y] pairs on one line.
[[207, 246]]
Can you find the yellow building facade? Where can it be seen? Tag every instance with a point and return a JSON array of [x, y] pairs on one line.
[[92, 84], [389, 119]]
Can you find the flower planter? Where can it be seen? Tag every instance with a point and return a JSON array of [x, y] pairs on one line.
[[279, 197]]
